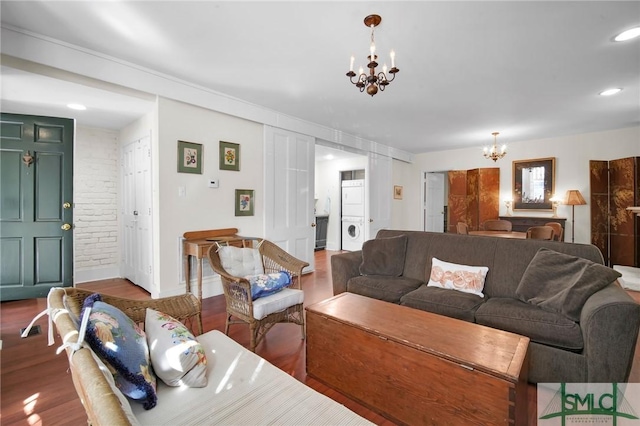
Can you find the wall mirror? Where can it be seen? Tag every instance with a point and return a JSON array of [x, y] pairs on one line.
[[534, 184]]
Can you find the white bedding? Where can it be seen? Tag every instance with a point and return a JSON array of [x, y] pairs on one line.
[[243, 389]]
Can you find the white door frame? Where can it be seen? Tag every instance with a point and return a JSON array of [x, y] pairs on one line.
[[137, 213], [289, 220]]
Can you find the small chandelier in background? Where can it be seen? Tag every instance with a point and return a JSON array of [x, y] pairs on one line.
[[373, 81], [492, 153]]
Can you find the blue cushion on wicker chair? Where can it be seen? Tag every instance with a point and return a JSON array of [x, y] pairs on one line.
[[267, 284]]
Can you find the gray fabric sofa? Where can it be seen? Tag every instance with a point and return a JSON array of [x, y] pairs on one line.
[[597, 347]]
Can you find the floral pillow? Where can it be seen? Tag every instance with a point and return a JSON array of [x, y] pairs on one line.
[[263, 285], [122, 345], [468, 279], [177, 357]]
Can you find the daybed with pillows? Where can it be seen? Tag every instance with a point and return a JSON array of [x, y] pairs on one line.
[[171, 375], [582, 325]]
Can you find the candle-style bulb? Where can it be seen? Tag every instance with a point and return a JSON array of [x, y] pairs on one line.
[[393, 59], [351, 64]]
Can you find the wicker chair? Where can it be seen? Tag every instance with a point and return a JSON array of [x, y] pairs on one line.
[[237, 293], [462, 228], [497, 225], [557, 230], [540, 233], [100, 403]]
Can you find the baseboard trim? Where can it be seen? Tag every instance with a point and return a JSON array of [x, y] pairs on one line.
[[88, 275]]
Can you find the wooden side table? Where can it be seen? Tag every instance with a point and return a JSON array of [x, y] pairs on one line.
[[197, 243]]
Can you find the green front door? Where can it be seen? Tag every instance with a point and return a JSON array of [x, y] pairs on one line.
[[36, 214]]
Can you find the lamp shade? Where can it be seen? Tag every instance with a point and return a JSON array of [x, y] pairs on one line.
[[574, 198]]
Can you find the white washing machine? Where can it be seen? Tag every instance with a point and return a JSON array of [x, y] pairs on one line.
[[352, 233]]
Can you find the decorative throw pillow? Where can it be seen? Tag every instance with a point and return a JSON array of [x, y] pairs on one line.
[[241, 262], [176, 356], [384, 256], [468, 279], [263, 285], [561, 283], [121, 344]]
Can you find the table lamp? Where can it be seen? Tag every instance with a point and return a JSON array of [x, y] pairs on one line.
[[574, 198]]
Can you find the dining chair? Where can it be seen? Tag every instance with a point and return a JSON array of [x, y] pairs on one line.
[[497, 225], [540, 233], [557, 230], [462, 228]]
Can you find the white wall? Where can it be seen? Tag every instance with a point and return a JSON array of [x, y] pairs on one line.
[[327, 185], [403, 175], [201, 207], [95, 213], [572, 155]]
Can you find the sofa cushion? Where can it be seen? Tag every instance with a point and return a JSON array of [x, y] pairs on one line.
[[454, 304], [561, 283], [453, 276], [176, 356], [389, 289], [384, 256], [516, 316]]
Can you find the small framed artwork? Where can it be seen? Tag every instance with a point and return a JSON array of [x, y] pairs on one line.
[[244, 202], [229, 156], [397, 192], [189, 157]]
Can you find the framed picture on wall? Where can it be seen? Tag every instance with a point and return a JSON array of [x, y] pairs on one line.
[[534, 184], [244, 202], [189, 157], [397, 192], [229, 156]]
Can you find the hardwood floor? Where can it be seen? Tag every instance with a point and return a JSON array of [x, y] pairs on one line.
[[36, 388]]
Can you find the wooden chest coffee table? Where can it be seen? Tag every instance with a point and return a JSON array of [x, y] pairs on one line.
[[416, 367]]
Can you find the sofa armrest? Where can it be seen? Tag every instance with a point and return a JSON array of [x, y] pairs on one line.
[[344, 266], [610, 320]]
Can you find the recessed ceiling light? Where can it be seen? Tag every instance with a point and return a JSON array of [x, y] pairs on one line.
[[78, 107], [610, 92], [628, 35]]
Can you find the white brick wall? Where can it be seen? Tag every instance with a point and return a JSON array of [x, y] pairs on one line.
[[95, 188]]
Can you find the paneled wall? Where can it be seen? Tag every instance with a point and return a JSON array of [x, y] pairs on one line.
[[473, 197], [615, 185]]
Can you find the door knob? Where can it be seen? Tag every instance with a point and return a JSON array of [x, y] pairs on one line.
[[66, 205], [313, 225], [65, 227]]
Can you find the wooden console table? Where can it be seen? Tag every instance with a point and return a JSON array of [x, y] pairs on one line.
[[197, 243], [522, 223]]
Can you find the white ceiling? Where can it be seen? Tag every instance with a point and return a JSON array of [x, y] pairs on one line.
[[529, 70]]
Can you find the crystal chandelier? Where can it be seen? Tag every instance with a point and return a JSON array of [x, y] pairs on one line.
[[373, 81], [492, 153]]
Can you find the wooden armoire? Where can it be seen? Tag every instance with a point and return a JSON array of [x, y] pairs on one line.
[[615, 185], [474, 197]]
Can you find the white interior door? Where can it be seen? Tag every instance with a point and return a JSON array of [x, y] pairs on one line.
[[380, 190], [289, 194], [137, 213], [434, 204]]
